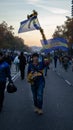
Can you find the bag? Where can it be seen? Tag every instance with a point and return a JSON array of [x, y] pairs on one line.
[[11, 88], [29, 78]]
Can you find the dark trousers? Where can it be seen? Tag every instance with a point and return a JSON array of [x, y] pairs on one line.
[[22, 71], [55, 63], [2, 89], [37, 91]]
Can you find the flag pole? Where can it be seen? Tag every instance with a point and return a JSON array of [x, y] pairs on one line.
[[42, 33], [41, 30]]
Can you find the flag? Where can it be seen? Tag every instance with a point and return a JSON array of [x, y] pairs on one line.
[[55, 43], [29, 25]]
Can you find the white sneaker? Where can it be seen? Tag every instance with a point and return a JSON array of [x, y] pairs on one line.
[[40, 111]]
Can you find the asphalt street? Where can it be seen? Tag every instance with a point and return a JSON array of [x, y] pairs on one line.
[[18, 111], [67, 76]]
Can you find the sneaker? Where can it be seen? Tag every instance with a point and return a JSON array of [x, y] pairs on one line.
[[40, 111]]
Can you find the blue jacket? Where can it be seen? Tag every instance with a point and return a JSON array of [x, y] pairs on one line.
[[4, 72], [38, 67]]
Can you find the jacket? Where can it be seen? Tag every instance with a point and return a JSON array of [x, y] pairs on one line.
[[5, 72], [35, 72]]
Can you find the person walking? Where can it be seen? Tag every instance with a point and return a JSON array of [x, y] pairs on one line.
[[55, 60], [22, 63], [46, 62], [4, 73], [16, 62], [36, 78]]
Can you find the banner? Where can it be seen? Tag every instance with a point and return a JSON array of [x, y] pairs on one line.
[[55, 43], [29, 25]]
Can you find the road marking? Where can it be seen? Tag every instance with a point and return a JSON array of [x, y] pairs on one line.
[[15, 76], [59, 74], [68, 82]]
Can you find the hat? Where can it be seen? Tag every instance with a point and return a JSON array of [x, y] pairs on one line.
[[35, 55]]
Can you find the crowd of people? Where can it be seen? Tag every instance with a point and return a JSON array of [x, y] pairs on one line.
[[37, 67]]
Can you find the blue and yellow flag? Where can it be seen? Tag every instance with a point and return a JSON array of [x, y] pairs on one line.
[[55, 43], [29, 25]]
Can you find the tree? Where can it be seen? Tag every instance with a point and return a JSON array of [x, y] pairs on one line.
[[8, 40], [65, 31]]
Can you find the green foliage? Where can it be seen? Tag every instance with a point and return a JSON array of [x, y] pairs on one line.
[[65, 31], [8, 40]]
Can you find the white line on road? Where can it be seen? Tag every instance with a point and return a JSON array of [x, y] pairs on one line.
[[64, 79], [15, 77], [68, 82]]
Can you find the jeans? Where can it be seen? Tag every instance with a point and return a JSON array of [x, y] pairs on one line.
[[22, 71], [37, 91], [45, 70]]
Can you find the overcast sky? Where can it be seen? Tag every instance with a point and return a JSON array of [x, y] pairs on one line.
[[50, 14]]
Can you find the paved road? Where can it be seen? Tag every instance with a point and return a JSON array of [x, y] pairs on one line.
[[65, 75], [58, 107]]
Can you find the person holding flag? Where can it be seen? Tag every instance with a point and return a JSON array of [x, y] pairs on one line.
[[36, 79]]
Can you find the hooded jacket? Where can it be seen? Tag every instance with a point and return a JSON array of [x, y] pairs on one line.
[[4, 72]]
